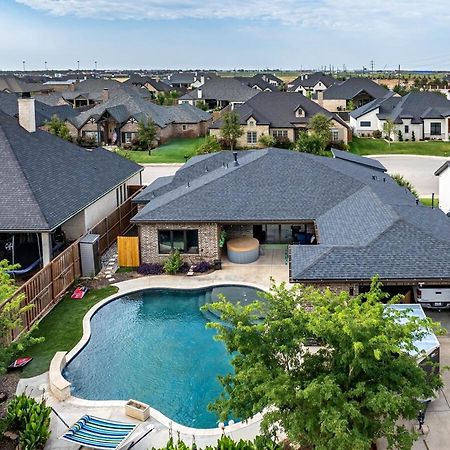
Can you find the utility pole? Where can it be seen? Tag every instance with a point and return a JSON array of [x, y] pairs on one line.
[[399, 75], [95, 65], [45, 65], [371, 66], [23, 65], [78, 65]]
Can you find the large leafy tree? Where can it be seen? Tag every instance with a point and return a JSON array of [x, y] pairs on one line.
[[351, 389], [146, 135], [58, 127], [231, 130], [11, 311]]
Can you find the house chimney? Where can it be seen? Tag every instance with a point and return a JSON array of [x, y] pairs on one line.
[[320, 98], [105, 95], [27, 112], [236, 162], [199, 93]]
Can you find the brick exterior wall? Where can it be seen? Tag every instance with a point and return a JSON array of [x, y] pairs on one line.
[[208, 242], [335, 287]]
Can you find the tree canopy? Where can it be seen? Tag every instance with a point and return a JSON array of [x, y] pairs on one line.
[[343, 394], [231, 129], [59, 128], [146, 135]]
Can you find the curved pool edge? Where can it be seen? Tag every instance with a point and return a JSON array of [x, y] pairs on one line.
[[61, 387]]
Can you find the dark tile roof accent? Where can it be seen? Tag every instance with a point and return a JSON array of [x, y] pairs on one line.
[[278, 109], [351, 87], [441, 169], [48, 180], [351, 157], [224, 89], [126, 102]]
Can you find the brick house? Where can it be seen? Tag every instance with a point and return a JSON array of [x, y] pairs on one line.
[[116, 119], [343, 219], [282, 115]]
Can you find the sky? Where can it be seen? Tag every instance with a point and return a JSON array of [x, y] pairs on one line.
[[226, 34]]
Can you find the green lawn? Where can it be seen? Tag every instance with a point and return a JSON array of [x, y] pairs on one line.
[[427, 201], [172, 152], [62, 329], [368, 146]]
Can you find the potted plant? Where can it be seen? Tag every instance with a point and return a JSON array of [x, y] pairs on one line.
[[137, 410]]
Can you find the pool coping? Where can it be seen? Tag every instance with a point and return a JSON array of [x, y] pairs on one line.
[[61, 387]]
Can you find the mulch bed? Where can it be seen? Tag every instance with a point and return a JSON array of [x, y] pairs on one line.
[[8, 385]]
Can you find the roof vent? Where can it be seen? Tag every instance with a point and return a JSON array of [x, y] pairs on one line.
[[188, 184], [153, 195], [236, 162], [206, 169]]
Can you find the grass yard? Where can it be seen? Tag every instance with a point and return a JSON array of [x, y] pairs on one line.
[[427, 201], [172, 152], [368, 146], [62, 329]]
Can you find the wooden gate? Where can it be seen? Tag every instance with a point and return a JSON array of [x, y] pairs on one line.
[[128, 251]]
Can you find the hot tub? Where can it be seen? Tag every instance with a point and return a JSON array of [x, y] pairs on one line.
[[243, 250]]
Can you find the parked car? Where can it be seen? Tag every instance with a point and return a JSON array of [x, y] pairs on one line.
[[432, 297]]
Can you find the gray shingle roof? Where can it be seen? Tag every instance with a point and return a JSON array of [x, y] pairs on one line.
[[366, 223], [126, 102], [224, 89], [348, 89], [46, 180], [278, 109], [373, 163], [311, 81]]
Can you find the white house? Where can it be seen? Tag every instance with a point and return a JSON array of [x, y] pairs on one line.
[[444, 187], [417, 116]]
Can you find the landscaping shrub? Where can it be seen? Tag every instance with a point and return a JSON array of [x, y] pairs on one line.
[[283, 142], [339, 145], [202, 267], [174, 263], [309, 143], [403, 182], [377, 134], [266, 140], [413, 136], [29, 419], [209, 145], [150, 269], [400, 135]]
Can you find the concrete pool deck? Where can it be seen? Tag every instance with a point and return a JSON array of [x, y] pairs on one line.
[[258, 275]]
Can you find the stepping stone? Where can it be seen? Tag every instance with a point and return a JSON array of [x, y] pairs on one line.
[[111, 280]]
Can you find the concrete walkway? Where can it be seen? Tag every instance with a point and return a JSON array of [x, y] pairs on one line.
[[153, 171], [417, 169]]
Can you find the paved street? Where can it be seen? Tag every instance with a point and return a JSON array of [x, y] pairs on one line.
[[153, 171], [419, 170]]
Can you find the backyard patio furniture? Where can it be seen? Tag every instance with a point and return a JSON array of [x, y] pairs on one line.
[[97, 433]]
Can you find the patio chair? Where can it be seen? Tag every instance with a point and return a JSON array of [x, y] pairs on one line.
[[97, 433]]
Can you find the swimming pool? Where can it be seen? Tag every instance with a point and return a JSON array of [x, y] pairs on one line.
[[153, 346]]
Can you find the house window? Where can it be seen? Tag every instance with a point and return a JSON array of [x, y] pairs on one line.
[[435, 128], [184, 127], [335, 135], [279, 134], [365, 123], [186, 241], [251, 137], [406, 129], [251, 123], [90, 135], [128, 136]]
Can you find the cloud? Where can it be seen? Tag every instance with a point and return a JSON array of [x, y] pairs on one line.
[[334, 14]]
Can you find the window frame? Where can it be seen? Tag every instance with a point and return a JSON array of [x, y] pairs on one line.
[[365, 123], [406, 129], [252, 137], [185, 249], [432, 128]]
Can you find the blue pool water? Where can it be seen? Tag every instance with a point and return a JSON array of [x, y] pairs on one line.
[[153, 346]]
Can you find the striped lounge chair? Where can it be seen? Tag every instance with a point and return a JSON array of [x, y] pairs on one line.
[[96, 433]]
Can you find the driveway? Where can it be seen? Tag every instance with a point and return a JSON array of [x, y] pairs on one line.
[[153, 171], [419, 170]]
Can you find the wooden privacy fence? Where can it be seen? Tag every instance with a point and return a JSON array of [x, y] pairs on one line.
[[128, 251], [47, 287]]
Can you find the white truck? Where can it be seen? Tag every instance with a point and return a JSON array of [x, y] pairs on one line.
[[432, 297]]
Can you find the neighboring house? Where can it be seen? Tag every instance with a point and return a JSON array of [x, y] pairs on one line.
[[44, 112], [52, 190], [310, 84], [444, 187], [189, 80], [357, 221], [219, 93], [152, 85], [116, 119], [258, 83], [271, 79], [283, 115], [11, 84], [426, 114], [354, 92]]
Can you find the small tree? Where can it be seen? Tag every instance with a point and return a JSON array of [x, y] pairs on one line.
[[309, 143], [11, 313], [403, 182], [389, 128], [173, 263], [400, 135], [58, 127], [231, 129], [352, 390], [266, 140], [413, 136], [350, 106], [202, 105], [319, 125], [209, 145], [146, 135]]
